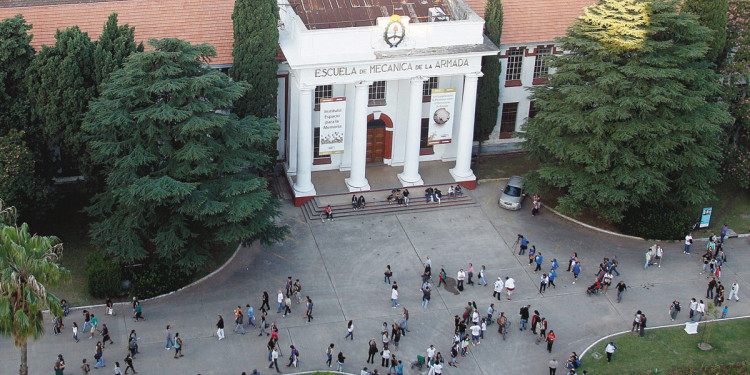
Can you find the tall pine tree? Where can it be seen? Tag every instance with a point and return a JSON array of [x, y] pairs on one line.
[[61, 80], [16, 53], [176, 160], [256, 43], [489, 84], [115, 44], [629, 119], [713, 14]]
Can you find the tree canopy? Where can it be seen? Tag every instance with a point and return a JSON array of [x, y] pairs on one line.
[[178, 165], [714, 15], [61, 80], [489, 84], [630, 117], [16, 54], [256, 44], [114, 45]]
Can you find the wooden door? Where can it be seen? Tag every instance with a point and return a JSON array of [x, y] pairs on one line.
[[375, 144]]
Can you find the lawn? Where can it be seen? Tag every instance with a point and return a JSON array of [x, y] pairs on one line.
[[731, 207], [670, 349], [504, 165]]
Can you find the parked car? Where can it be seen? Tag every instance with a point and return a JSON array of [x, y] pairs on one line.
[[512, 194]]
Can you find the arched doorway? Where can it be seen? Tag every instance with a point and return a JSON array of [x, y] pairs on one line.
[[379, 138]]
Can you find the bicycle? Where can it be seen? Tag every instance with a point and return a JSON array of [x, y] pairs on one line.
[[503, 330]]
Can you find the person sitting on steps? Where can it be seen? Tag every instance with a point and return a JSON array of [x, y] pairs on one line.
[[361, 202], [428, 193]]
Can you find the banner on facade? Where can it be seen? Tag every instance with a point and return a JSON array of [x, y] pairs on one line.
[[332, 123], [441, 116]]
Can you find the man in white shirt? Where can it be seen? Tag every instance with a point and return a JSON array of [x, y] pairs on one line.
[[734, 291], [688, 242], [394, 298], [498, 291], [461, 276], [431, 352], [693, 308], [280, 300], [510, 286], [475, 331], [610, 349], [438, 368], [701, 310]]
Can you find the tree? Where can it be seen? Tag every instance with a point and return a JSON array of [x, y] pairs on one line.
[[28, 265], [256, 43], [714, 15], [115, 44], [61, 81], [16, 53], [178, 165], [630, 116], [19, 184], [489, 84]]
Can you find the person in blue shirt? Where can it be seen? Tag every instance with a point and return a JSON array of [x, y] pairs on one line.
[[539, 260], [576, 271], [555, 264], [524, 245], [250, 316], [724, 233], [552, 275]]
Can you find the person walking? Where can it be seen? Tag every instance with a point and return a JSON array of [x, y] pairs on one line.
[[610, 349], [659, 254], [550, 340], [701, 310], [621, 287], [75, 332], [168, 335], [426, 295], [177, 345], [538, 259], [293, 356], [385, 356], [250, 315], [279, 301], [394, 297], [129, 364], [711, 287], [674, 309], [275, 359], [636, 321], [220, 328], [510, 286], [340, 362], [117, 368], [138, 312], [265, 304], [552, 276], [309, 307], [329, 355], [85, 368], [387, 274], [497, 289], [471, 274], [524, 312], [460, 277], [576, 271], [734, 291], [543, 283], [350, 329], [688, 242], [287, 305], [482, 274], [99, 355], [552, 366]]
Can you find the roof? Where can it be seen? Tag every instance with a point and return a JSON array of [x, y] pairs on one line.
[[197, 21], [327, 14], [535, 21]]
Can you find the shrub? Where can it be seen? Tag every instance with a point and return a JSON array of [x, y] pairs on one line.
[[156, 278], [658, 221], [103, 276]]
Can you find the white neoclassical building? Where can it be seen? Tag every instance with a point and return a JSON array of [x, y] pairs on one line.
[[378, 82]]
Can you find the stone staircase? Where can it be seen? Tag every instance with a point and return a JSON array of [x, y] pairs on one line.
[[377, 204]]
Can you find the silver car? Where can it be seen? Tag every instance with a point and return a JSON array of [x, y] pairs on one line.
[[512, 194]]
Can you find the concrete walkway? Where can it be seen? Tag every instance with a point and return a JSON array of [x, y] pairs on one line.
[[341, 264]]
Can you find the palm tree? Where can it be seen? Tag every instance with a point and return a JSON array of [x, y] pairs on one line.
[[28, 263]]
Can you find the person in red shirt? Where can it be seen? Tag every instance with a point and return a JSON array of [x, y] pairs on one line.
[[329, 213], [550, 340]]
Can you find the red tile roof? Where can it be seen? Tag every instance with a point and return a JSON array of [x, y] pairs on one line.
[[197, 21], [535, 21]]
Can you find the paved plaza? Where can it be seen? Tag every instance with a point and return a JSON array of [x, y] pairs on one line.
[[340, 265]]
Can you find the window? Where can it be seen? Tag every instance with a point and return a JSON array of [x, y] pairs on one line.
[[533, 110], [424, 149], [377, 94], [322, 92], [540, 67], [515, 59], [508, 118], [427, 87]]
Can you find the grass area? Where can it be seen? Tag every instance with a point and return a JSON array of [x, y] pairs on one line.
[[731, 207], [504, 165], [671, 349]]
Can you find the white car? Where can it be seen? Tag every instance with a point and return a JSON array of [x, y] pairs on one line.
[[512, 194]]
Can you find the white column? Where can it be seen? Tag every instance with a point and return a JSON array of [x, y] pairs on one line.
[[357, 180], [303, 186], [410, 176], [462, 171]]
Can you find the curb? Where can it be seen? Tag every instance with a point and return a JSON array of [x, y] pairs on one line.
[[658, 327], [196, 282], [568, 218], [483, 180]]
